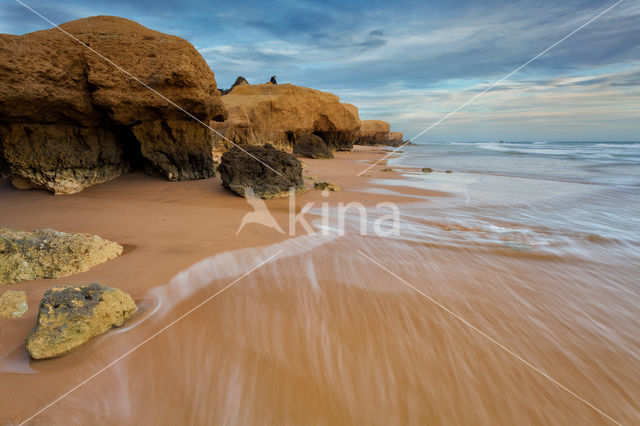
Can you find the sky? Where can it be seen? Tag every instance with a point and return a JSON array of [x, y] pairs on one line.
[[413, 62]]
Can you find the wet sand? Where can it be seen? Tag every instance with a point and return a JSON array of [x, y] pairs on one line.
[[320, 335]]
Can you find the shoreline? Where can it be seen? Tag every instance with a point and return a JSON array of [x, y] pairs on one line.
[[321, 334], [164, 227]]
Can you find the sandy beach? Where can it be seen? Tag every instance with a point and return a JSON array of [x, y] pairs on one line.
[[178, 249], [165, 228], [320, 334]]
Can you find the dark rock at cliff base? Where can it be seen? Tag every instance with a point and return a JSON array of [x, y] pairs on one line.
[[69, 119], [311, 146], [240, 170], [70, 316]]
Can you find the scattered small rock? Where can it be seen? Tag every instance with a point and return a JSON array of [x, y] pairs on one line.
[[427, 170], [326, 186], [47, 253], [240, 170], [448, 171], [387, 169], [70, 316], [13, 304]]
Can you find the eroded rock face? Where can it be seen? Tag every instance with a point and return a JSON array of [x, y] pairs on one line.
[[13, 304], [70, 316], [239, 170], [281, 114], [69, 119], [373, 132], [311, 146], [48, 253], [395, 139], [61, 158], [377, 132]]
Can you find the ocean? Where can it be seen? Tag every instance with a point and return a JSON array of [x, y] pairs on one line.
[[569, 198]]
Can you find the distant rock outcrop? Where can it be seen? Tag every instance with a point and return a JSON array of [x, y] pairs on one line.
[[69, 119], [395, 139], [70, 316], [240, 81], [311, 146], [240, 170], [377, 132], [373, 132], [50, 254], [280, 114], [353, 110]]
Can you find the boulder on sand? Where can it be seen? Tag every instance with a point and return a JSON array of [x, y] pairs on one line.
[[280, 114], [311, 146], [48, 253], [326, 186], [240, 168], [69, 119], [70, 316]]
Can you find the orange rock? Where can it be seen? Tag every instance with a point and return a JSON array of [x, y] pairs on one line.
[[373, 132], [70, 119], [279, 114]]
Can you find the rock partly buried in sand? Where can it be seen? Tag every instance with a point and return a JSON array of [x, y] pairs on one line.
[[387, 169], [48, 253], [280, 114], [13, 304], [427, 170], [240, 170], [311, 146], [69, 316], [69, 119], [326, 186]]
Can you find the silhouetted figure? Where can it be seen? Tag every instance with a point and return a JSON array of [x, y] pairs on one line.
[[273, 80]]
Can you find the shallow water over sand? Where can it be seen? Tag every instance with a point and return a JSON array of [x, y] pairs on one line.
[[325, 336]]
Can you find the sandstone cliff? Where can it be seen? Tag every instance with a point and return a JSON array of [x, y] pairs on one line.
[[70, 119], [377, 132], [280, 114]]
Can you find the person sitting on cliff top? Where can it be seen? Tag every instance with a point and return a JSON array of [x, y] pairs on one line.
[[273, 80]]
